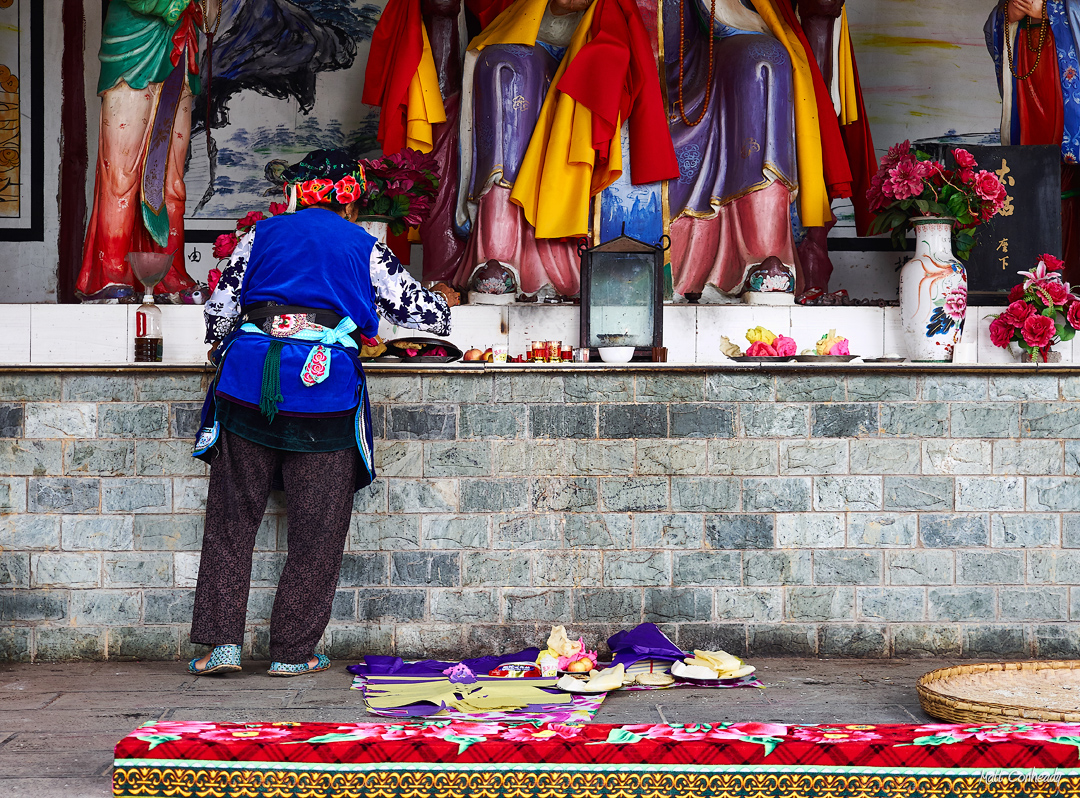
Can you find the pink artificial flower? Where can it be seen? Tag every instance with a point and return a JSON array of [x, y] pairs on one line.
[[835, 734], [1072, 315], [249, 220], [224, 245], [1017, 313], [906, 179], [784, 346], [1057, 292], [988, 186], [212, 278], [966, 175], [895, 153], [840, 348], [963, 158], [1038, 331], [278, 208], [1052, 263], [874, 196], [1016, 293], [956, 303], [1001, 332], [760, 349]]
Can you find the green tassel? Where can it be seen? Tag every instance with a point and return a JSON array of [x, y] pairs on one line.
[[271, 382]]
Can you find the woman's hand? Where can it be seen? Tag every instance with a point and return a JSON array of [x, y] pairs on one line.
[[1018, 9]]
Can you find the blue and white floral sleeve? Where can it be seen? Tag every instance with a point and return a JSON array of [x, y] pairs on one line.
[[400, 299], [222, 311]]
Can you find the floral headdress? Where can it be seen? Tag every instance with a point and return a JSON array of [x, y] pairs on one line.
[[324, 176]]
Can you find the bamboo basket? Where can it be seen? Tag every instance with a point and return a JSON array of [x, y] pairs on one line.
[[996, 692]]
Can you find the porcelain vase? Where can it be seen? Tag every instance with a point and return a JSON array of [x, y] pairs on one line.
[[375, 227], [933, 292]]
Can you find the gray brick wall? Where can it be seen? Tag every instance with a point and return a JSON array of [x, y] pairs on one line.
[[854, 513]]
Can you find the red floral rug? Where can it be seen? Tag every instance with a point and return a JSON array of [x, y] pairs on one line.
[[452, 759]]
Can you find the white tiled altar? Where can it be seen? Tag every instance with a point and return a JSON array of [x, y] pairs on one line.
[[102, 334]]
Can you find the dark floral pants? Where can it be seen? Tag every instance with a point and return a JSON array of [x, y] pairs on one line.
[[319, 499]]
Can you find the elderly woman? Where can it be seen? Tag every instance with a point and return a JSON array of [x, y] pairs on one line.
[[290, 401]]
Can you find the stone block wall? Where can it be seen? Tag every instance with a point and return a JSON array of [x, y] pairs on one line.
[[795, 511]]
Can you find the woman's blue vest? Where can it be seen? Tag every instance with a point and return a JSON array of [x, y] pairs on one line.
[[313, 259]]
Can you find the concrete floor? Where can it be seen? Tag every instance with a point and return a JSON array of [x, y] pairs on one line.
[[59, 722]]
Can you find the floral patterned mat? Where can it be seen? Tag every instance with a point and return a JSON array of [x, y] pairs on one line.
[[464, 759]]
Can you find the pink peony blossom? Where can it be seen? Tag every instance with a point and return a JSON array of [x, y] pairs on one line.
[[224, 245], [1038, 331], [874, 195], [212, 278], [1017, 313], [1001, 332], [966, 175], [784, 346], [963, 158], [906, 179], [956, 303], [895, 153], [1016, 293]]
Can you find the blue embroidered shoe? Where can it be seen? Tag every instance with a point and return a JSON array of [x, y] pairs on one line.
[[285, 669], [224, 659]]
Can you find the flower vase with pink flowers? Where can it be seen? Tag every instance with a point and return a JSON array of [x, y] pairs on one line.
[[911, 191], [400, 189], [1043, 311]]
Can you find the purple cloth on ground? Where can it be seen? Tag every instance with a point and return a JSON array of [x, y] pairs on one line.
[[381, 665], [644, 641]]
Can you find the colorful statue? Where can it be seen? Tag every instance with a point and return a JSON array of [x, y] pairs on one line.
[[149, 72], [414, 75], [1037, 68], [825, 24], [545, 88], [731, 87]]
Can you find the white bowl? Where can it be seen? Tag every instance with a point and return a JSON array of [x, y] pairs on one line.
[[616, 354]]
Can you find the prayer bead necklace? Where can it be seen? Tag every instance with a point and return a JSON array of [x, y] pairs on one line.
[[682, 66], [1031, 47]]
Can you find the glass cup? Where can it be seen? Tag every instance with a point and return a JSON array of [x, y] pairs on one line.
[[539, 351], [498, 353], [566, 354], [554, 351]]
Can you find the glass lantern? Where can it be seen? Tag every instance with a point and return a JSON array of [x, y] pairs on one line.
[[622, 296]]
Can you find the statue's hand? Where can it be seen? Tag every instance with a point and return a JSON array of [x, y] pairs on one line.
[[1018, 9]]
